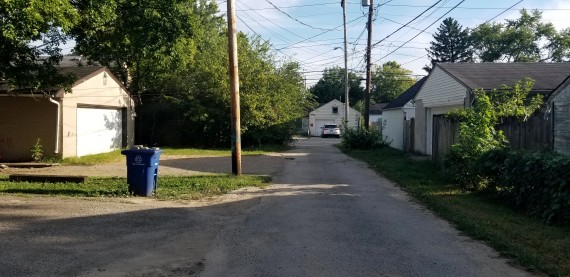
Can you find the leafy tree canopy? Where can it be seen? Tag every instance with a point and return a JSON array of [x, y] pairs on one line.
[[389, 81], [520, 40], [140, 40], [331, 86], [451, 44], [31, 32]]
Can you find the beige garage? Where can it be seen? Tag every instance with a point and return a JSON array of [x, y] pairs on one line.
[[96, 117]]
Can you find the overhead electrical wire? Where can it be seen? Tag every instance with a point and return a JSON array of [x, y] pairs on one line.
[[270, 31], [320, 34], [405, 25], [507, 9], [421, 32], [297, 20]]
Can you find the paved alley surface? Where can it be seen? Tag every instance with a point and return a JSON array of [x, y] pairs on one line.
[[326, 215]]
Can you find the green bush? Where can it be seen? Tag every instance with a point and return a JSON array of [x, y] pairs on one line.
[[478, 133], [536, 183], [360, 138]]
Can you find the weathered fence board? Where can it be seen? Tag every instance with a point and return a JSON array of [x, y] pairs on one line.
[[533, 134], [445, 133], [408, 135]]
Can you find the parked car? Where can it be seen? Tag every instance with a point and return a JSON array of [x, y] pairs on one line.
[[330, 130]]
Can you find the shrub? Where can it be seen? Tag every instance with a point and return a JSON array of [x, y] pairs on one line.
[[536, 183], [477, 133], [37, 151], [360, 138]]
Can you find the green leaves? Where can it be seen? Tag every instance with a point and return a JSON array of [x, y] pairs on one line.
[[29, 31], [536, 183], [520, 40], [331, 86], [477, 132], [451, 43], [389, 81]]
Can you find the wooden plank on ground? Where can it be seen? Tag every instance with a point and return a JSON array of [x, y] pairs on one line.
[[47, 178]]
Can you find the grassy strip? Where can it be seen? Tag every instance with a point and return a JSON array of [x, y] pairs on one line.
[[528, 241], [172, 188], [115, 156]]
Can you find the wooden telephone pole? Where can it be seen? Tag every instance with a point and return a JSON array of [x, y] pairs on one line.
[[368, 68], [346, 102], [234, 89]]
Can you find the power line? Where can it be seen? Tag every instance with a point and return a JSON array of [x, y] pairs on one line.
[[270, 31], [503, 11], [405, 25], [297, 20], [417, 29], [421, 32], [320, 34], [294, 6]]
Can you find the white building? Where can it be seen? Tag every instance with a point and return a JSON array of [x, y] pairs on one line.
[[396, 112], [331, 113]]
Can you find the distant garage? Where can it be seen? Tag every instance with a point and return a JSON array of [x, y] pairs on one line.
[[331, 113]]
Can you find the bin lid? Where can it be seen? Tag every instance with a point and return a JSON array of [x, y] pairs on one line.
[[141, 151]]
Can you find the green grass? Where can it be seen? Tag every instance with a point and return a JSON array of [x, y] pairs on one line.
[[171, 188], [528, 241], [102, 158], [116, 156], [223, 152]]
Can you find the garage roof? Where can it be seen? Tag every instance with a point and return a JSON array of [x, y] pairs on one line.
[[547, 76]]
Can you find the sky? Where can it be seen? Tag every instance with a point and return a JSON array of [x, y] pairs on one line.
[[311, 31]]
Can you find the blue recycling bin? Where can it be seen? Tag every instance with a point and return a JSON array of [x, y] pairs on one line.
[[142, 170]]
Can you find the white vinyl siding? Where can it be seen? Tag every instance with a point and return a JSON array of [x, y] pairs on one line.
[[394, 127], [440, 89]]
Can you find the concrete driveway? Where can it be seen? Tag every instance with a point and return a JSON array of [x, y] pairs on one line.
[[326, 215]]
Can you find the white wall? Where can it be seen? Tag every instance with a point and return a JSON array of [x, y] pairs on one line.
[[439, 94], [440, 89], [324, 112], [98, 90], [394, 128]]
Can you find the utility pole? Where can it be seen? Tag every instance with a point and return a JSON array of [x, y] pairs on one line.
[[368, 68], [346, 102], [234, 89]]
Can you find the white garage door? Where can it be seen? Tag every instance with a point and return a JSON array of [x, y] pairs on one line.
[[319, 123], [98, 130]]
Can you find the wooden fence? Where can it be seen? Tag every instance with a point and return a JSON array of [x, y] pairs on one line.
[[445, 133], [533, 134], [408, 135]]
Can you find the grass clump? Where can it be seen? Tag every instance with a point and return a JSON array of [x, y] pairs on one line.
[[171, 188], [530, 242]]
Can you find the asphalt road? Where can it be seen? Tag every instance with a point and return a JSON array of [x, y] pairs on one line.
[[326, 215]]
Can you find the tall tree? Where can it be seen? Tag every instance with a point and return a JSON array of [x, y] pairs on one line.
[[451, 44], [389, 81], [331, 86], [31, 33], [138, 39], [519, 40]]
